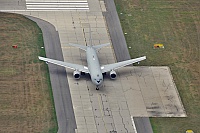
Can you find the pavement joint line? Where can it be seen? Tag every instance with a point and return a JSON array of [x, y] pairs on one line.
[[99, 101], [158, 90], [140, 90]]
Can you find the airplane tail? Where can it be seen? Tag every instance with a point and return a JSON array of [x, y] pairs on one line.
[[96, 47]]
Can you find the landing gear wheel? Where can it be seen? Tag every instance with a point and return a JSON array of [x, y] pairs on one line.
[[97, 88]]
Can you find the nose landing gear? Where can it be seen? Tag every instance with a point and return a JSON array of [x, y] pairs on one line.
[[97, 87]]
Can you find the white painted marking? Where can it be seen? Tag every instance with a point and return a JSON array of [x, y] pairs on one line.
[[134, 127], [58, 8], [43, 10], [55, 1], [46, 3], [56, 5]]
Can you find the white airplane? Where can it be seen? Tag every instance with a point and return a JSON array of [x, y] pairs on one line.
[[95, 70]]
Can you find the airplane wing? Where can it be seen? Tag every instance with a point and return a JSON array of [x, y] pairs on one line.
[[77, 67], [114, 66]]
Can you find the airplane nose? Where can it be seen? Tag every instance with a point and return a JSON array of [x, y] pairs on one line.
[[97, 81]]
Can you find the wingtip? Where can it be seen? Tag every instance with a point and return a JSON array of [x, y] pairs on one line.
[[39, 57]]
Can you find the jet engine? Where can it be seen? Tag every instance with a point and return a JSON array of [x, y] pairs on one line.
[[76, 74], [113, 74]]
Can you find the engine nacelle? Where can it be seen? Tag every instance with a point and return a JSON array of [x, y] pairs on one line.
[[113, 74], [76, 74]]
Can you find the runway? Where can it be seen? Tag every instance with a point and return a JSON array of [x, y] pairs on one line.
[[112, 108]]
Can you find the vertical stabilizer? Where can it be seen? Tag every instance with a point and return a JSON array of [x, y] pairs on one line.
[[90, 41], [87, 34]]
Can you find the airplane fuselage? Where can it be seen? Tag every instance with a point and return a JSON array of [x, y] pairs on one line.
[[94, 66]]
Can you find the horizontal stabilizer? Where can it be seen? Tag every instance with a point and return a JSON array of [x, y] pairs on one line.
[[100, 46], [78, 46]]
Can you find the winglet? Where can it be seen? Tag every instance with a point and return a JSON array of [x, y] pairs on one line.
[[39, 57]]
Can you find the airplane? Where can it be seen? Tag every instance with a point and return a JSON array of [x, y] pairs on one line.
[[93, 67]]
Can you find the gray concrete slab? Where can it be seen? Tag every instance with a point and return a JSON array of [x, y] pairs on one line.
[[13, 5], [147, 85]]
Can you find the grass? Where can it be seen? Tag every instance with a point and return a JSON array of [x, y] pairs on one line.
[[176, 24], [26, 97]]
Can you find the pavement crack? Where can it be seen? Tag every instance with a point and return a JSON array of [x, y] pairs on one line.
[[123, 121]]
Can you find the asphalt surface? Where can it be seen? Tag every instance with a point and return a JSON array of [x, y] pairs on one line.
[[142, 124], [58, 76], [115, 31]]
